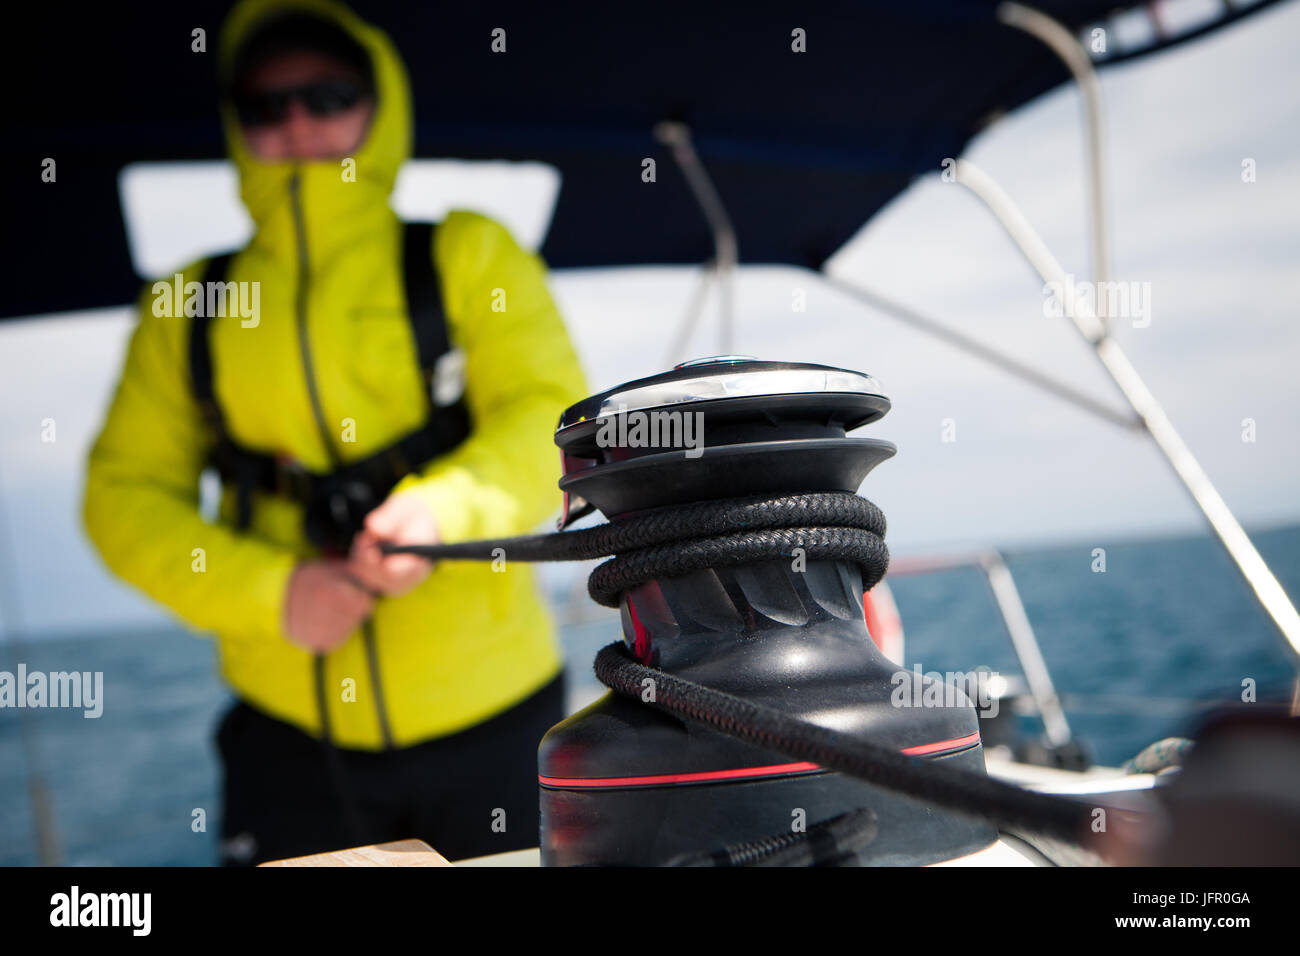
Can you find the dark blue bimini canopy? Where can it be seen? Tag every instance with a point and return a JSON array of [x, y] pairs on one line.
[[803, 147]]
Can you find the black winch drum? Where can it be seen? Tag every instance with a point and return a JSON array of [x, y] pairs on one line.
[[623, 784]]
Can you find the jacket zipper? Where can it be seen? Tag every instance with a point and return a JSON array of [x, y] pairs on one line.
[[304, 345], [304, 348]]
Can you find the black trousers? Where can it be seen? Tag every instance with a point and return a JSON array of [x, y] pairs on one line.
[[468, 794]]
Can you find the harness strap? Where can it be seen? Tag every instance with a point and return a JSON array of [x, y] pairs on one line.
[[403, 456], [231, 466], [424, 301], [201, 351]]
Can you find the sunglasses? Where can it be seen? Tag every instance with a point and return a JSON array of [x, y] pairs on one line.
[[322, 98]]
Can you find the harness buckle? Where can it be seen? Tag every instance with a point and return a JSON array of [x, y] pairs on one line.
[[336, 511]]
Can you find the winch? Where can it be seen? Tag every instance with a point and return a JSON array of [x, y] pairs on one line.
[[745, 555]]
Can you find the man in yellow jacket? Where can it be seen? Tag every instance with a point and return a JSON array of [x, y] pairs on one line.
[[378, 697]]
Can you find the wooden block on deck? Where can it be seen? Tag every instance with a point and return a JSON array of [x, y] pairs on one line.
[[397, 853]]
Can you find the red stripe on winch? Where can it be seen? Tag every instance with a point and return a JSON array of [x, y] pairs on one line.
[[955, 744], [703, 775], [742, 773]]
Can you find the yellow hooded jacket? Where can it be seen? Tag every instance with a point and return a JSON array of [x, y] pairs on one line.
[[469, 642]]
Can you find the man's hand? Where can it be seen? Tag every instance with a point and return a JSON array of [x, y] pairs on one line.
[[323, 605], [402, 519]]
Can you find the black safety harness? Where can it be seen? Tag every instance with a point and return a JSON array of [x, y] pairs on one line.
[[336, 504]]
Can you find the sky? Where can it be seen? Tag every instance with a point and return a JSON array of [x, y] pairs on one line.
[[1221, 257]]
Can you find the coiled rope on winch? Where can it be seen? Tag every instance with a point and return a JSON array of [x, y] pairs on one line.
[[677, 540]]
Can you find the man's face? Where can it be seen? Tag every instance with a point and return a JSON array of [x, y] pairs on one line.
[[303, 105]]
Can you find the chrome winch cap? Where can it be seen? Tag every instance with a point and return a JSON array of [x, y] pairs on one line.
[[742, 426], [731, 377]]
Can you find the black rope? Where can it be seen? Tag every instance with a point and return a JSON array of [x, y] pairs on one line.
[[962, 791], [677, 540]]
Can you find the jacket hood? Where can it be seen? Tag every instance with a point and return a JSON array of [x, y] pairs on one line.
[[264, 186]]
